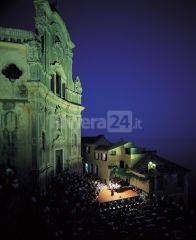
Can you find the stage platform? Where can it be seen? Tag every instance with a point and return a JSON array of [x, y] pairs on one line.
[[105, 195]]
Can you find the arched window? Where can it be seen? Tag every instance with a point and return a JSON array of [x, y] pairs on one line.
[[58, 85], [63, 90], [52, 83], [43, 140], [42, 43]]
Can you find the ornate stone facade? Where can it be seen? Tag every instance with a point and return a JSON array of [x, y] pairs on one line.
[[40, 103]]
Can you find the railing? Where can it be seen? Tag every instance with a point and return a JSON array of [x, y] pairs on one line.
[[16, 34]]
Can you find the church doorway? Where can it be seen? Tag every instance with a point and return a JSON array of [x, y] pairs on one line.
[[59, 161]]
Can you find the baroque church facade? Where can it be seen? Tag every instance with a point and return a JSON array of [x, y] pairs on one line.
[[40, 103]]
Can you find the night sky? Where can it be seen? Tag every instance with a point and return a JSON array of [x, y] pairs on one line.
[[137, 55]]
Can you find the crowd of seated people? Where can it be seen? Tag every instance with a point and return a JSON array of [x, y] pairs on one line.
[[150, 218], [70, 210]]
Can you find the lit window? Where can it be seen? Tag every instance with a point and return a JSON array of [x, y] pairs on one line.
[[88, 149], [86, 167], [97, 155], [104, 156]]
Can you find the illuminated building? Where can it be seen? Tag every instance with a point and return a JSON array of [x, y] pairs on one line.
[[137, 166], [40, 103]]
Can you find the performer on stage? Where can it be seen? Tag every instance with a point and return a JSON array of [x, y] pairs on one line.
[[112, 192]]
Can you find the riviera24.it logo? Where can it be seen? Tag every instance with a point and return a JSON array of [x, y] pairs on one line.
[[114, 122]]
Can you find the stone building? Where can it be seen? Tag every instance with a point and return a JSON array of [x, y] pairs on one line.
[[136, 166], [40, 103]]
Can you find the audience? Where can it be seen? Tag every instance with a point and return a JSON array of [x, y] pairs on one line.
[[70, 210]]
